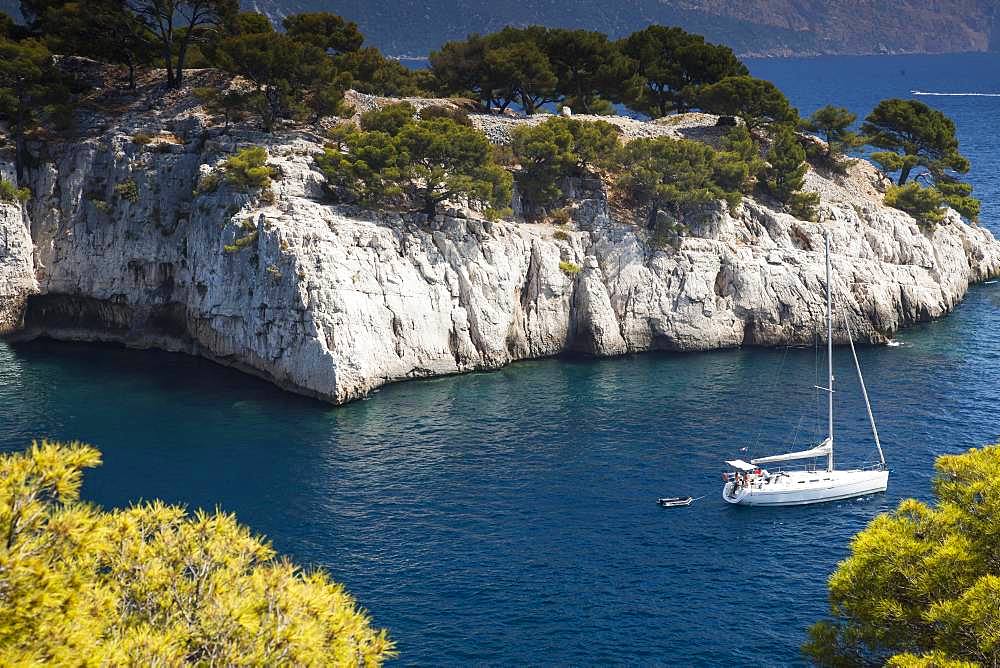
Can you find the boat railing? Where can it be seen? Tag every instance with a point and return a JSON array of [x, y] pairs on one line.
[[813, 468]]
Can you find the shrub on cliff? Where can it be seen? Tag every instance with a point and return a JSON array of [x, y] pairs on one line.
[[33, 94], [534, 66], [559, 148], [248, 169], [832, 125], [667, 178], [420, 162], [784, 175], [918, 135], [920, 142], [923, 203], [756, 101], [389, 119], [104, 30], [921, 586], [291, 79], [958, 195], [10, 193], [178, 25], [153, 585], [672, 65]]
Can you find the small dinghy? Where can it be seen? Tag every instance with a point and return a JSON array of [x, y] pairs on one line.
[[674, 501]]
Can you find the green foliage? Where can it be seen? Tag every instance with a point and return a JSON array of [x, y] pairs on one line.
[[291, 79], [245, 23], [510, 66], [756, 101], [373, 73], [241, 242], [569, 268], [449, 160], [389, 119], [100, 205], [561, 216], [560, 235], [366, 166], [128, 190], [178, 25], [101, 29], [141, 138], [558, 148], [591, 71], [10, 193], [33, 94], [958, 195], [786, 168], [923, 203], [920, 135], [832, 125], [521, 70], [803, 205], [6, 26], [153, 585], [534, 66], [740, 161], [425, 162], [675, 175], [672, 65], [460, 116], [890, 162], [916, 136], [231, 104], [325, 31], [921, 586], [248, 169], [207, 183]]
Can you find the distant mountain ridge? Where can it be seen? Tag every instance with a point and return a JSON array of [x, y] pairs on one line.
[[751, 27]]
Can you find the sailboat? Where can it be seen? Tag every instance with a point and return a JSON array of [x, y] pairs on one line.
[[749, 484]]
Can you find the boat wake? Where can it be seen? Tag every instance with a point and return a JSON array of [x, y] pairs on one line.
[[921, 92]]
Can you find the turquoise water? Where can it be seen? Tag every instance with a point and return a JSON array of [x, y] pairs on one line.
[[510, 517]]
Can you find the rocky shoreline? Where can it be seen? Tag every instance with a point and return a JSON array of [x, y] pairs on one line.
[[334, 302]]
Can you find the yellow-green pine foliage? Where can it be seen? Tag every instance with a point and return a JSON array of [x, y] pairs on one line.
[[153, 585], [924, 203], [922, 585], [11, 194], [248, 169]]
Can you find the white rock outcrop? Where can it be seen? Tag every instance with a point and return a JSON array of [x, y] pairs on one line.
[[17, 276], [334, 304]]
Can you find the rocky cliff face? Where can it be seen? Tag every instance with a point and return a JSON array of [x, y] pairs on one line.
[[17, 276], [334, 303]]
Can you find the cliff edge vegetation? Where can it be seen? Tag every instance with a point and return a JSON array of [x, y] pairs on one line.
[[311, 212]]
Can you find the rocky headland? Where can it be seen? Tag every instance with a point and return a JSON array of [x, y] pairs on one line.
[[119, 244]]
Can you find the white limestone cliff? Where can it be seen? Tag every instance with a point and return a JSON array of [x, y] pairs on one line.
[[333, 302]]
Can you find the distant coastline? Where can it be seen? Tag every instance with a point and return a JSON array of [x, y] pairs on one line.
[[406, 59]]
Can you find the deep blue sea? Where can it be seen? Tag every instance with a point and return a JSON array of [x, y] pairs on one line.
[[510, 517]]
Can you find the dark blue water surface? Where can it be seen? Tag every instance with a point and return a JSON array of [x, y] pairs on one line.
[[510, 517]]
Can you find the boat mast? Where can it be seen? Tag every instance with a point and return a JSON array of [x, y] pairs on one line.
[[829, 349], [864, 390]]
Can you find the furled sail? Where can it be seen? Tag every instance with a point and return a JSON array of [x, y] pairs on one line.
[[821, 450]]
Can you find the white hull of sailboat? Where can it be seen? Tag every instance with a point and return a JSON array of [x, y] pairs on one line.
[[798, 488]]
